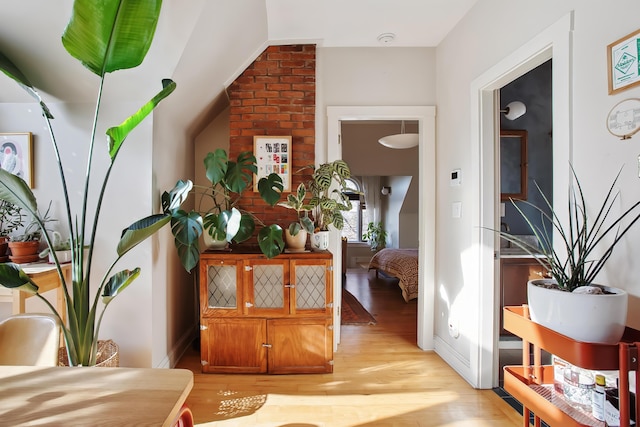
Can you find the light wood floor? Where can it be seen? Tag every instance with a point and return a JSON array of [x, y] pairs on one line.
[[380, 378]]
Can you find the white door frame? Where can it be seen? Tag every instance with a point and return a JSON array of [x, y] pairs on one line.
[[425, 115], [554, 42]]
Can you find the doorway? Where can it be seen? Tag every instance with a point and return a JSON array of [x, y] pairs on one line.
[[526, 153], [426, 228], [554, 42]]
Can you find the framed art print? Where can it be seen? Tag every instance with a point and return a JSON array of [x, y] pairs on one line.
[[273, 155], [622, 62], [15, 155]]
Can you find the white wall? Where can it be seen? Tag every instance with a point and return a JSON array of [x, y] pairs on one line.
[[127, 319], [481, 42]]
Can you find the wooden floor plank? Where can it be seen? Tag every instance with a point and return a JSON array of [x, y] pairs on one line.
[[380, 378]]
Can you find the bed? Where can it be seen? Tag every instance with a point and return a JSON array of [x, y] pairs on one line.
[[399, 263]]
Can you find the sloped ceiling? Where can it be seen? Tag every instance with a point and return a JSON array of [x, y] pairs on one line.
[[204, 44]]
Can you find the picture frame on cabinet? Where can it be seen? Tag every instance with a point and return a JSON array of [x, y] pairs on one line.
[[273, 155], [622, 63], [16, 155]]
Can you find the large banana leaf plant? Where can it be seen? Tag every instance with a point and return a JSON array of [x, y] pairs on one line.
[[105, 36]]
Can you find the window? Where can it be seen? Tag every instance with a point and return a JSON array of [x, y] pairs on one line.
[[357, 216]]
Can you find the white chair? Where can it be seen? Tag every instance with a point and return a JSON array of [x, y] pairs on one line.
[[29, 339]]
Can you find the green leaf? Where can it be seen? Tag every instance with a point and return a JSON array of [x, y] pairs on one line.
[[174, 198], [110, 35], [342, 169], [246, 229], [307, 224], [141, 230], [270, 241], [215, 165], [187, 229], [118, 283], [117, 135], [15, 190], [11, 70], [271, 187], [12, 277], [232, 219], [294, 228], [240, 174]]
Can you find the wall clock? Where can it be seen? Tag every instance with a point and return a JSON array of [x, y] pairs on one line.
[[623, 120]]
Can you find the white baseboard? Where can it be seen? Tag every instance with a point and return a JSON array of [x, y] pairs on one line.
[[453, 358], [178, 350]]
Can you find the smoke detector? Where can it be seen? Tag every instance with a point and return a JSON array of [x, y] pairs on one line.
[[386, 38]]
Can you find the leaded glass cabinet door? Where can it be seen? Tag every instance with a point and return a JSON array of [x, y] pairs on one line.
[[268, 287], [311, 287], [221, 291]]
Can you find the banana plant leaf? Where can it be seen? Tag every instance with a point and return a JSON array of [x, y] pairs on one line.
[[106, 36], [117, 283], [117, 135], [12, 277]]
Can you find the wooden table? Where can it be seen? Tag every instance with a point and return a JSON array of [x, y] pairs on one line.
[[90, 396], [46, 277]]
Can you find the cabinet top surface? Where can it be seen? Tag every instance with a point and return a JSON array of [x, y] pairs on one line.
[[254, 253]]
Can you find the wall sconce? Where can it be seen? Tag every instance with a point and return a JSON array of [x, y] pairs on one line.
[[513, 110], [386, 191]]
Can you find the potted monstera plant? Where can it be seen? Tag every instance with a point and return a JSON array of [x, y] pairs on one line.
[[569, 301], [104, 36], [224, 221]]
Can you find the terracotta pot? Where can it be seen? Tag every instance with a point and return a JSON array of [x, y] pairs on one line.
[[587, 318], [21, 249]]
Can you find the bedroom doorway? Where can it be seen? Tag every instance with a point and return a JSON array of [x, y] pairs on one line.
[[425, 116]]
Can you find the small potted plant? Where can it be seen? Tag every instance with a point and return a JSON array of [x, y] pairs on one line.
[[224, 221], [296, 233], [11, 219], [24, 246], [375, 235], [328, 187], [564, 302], [60, 250]]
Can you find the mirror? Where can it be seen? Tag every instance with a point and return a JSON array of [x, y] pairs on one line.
[[513, 164]]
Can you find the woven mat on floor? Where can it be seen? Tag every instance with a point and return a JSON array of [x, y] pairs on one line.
[[353, 313]]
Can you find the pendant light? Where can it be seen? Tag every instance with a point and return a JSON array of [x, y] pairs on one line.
[[401, 140]]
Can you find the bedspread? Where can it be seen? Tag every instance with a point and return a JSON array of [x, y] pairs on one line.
[[402, 264]]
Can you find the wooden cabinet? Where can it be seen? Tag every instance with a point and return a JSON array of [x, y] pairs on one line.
[[260, 315], [532, 383], [514, 275]]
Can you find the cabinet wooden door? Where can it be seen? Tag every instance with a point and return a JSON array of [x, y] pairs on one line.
[[311, 291], [221, 290], [300, 345], [233, 345], [267, 287]]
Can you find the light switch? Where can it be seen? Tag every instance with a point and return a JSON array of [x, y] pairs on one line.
[[456, 209]]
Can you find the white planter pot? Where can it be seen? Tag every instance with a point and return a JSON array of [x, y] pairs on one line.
[[296, 243], [588, 318], [320, 241], [213, 244]]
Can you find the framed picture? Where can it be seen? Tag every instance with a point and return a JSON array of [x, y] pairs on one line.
[[15, 155], [273, 155], [622, 63]]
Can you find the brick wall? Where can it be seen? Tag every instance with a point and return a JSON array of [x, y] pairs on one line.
[[276, 95]]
